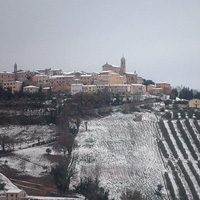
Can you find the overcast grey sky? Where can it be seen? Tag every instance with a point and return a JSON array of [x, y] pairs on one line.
[[160, 39]]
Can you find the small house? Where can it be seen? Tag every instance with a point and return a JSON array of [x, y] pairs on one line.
[[15, 194], [138, 117], [194, 103]]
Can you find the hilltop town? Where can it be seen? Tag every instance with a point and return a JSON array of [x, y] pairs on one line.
[[113, 79]]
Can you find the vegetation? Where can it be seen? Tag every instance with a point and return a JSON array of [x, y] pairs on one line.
[[197, 125], [168, 115], [62, 174], [186, 93], [183, 115], [178, 141], [187, 140], [174, 94], [193, 134], [170, 186], [147, 82], [90, 100], [197, 176], [158, 191], [91, 190], [189, 181], [197, 114], [181, 188], [198, 164], [163, 149], [167, 137], [64, 143], [8, 95], [132, 195], [175, 114], [7, 143], [48, 151]]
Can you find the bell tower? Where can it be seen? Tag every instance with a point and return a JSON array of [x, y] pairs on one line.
[[15, 71], [123, 65]]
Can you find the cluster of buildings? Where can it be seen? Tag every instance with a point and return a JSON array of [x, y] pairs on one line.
[[112, 78]]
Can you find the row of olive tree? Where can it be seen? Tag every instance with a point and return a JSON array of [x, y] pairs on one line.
[[181, 188], [188, 179], [178, 141], [168, 139], [186, 139]]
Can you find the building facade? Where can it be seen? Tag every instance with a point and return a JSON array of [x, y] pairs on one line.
[[15, 194], [31, 89], [194, 103], [14, 86], [6, 77], [165, 86]]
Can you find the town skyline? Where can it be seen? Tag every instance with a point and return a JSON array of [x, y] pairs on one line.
[[160, 40]]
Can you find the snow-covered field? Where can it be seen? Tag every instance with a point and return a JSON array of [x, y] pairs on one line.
[[28, 158], [31, 161], [122, 152], [26, 136]]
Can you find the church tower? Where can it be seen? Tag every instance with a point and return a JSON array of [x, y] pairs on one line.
[[15, 71], [123, 65]]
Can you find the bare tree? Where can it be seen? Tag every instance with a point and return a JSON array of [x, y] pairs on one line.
[[6, 142], [91, 190], [63, 173], [64, 143], [22, 165]]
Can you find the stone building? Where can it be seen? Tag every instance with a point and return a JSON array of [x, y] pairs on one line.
[[194, 103]]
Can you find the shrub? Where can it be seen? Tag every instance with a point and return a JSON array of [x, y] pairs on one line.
[[168, 115], [183, 114], [132, 195], [91, 190], [48, 151], [175, 115]]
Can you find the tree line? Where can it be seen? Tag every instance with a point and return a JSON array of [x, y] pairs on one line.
[[185, 93]]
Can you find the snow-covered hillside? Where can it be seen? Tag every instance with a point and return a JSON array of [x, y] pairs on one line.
[[123, 152], [8, 184]]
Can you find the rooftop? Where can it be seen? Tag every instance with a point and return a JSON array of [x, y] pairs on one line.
[[31, 86], [13, 191]]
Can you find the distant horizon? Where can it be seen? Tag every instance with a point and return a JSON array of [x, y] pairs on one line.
[[159, 39]]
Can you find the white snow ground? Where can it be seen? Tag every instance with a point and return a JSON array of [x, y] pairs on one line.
[[29, 161], [123, 152]]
